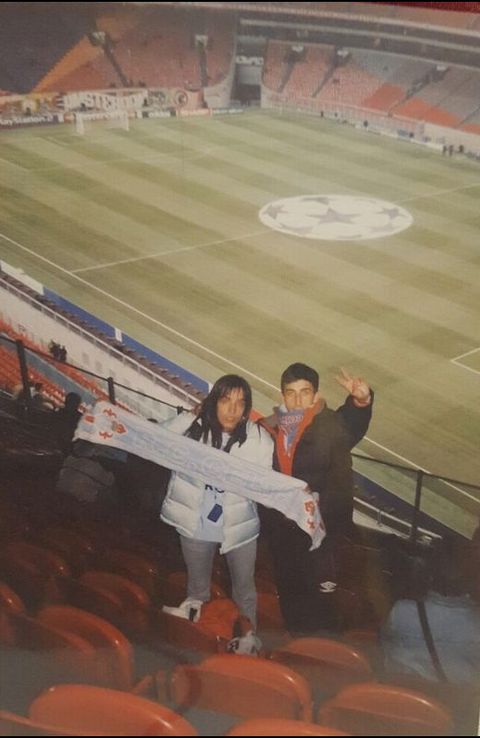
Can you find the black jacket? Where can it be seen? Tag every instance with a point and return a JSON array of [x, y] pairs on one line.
[[322, 459]]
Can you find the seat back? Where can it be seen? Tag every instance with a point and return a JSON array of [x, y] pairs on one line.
[[135, 567], [114, 655], [383, 709], [32, 571], [77, 549], [79, 707], [281, 727], [12, 724], [36, 655], [243, 686], [9, 600], [182, 634], [134, 605], [326, 664]]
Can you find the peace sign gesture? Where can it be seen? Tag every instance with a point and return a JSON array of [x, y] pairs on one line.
[[355, 386]]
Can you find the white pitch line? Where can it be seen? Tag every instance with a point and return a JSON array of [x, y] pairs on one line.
[[467, 353], [199, 345], [13, 164], [134, 309], [464, 366], [438, 193], [170, 251]]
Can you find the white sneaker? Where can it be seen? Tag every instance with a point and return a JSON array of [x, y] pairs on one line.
[[190, 609], [327, 587], [248, 644]]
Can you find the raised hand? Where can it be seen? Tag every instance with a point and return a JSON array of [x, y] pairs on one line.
[[355, 386]]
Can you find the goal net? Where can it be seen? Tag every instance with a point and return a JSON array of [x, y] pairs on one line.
[[88, 121]]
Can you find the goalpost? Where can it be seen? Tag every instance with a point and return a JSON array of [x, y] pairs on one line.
[[87, 121]]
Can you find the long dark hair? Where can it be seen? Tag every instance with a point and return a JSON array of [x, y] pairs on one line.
[[206, 421]]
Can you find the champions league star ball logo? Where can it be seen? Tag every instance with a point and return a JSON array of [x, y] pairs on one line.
[[335, 217]]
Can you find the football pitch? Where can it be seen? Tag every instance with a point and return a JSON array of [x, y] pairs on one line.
[[157, 231]]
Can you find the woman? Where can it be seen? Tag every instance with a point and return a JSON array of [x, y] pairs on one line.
[[206, 516]]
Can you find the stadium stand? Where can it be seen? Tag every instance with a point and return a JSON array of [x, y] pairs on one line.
[[275, 65], [144, 47], [47, 32]]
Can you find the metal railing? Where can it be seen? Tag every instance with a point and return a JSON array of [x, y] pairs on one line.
[[409, 500]]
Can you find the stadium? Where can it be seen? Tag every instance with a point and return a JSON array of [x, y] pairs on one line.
[[192, 190]]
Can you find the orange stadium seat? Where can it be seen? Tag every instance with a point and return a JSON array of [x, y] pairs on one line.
[[242, 686], [135, 567], [380, 709], [281, 727], [114, 655], [12, 724], [133, 603], [79, 707], [9, 600], [326, 664]]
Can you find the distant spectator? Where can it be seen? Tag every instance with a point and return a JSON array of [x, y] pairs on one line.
[[54, 349], [66, 421], [449, 592], [19, 394], [62, 354], [39, 400], [86, 482]]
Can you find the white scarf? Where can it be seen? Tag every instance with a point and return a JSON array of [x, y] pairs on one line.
[[110, 425]]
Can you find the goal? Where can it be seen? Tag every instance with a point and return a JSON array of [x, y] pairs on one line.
[[88, 121]]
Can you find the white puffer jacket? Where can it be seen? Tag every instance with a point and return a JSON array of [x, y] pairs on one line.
[[183, 502]]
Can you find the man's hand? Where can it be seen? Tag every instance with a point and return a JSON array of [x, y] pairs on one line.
[[356, 387]]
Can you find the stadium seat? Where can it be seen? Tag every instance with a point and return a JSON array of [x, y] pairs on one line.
[[9, 600], [133, 604], [36, 655], [76, 549], [242, 686], [135, 567], [32, 571], [113, 652], [182, 634], [13, 725], [281, 727], [326, 664], [378, 709], [79, 707]]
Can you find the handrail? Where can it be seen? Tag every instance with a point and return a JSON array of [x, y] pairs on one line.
[[416, 473]]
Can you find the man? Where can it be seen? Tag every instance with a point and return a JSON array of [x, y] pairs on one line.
[[206, 516], [313, 443]]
